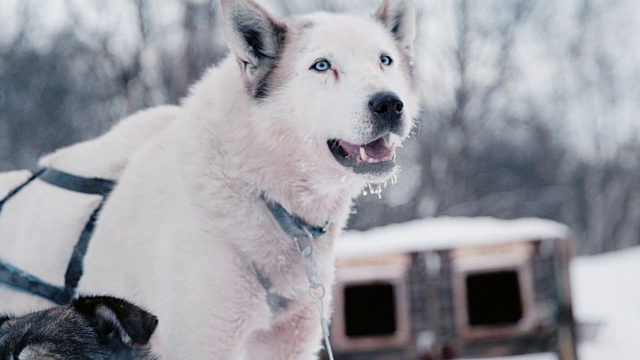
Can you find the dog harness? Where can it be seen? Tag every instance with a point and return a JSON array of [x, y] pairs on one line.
[[303, 235], [21, 280], [296, 228]]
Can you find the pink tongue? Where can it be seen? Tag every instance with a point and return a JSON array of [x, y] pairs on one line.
[[349, 148], [377, 149]]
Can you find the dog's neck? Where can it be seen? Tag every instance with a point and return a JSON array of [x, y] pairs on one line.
[[310, 194]]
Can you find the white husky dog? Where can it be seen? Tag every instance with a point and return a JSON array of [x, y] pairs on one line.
[[302, 114]]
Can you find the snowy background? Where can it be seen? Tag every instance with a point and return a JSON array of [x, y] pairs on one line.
[[530, 109]]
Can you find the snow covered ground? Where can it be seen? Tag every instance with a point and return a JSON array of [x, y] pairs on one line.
[[606, 290]]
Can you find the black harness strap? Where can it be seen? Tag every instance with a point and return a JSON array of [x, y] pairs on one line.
[[34, 175], [91, 186], [75, 269], [18, 279], [21, 280]]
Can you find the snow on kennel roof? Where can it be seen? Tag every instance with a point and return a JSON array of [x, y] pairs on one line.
[[444, 233]]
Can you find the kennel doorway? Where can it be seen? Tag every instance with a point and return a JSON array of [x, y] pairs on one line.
[[372, 304], [493, 290]]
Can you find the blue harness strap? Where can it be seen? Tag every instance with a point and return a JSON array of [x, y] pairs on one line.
[[34, 175], [291, 224], [90, 186], [18, 279], [295, 227]]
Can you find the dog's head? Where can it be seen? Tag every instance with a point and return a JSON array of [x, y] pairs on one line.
[[343, 83], [90, 328]]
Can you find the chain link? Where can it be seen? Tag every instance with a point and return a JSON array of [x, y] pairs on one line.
[[316, 289]]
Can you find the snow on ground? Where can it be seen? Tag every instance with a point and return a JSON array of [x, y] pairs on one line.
[[607, 289]]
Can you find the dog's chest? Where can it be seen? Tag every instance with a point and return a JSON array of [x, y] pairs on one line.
[[284, 272]]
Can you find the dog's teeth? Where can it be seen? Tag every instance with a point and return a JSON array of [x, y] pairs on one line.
[[363, 154]]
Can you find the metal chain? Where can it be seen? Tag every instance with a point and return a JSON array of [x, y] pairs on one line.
[[316, 289]]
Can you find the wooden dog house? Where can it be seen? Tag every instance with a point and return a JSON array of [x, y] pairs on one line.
[[454, 287]]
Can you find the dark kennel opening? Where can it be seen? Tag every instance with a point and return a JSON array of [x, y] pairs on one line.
[[493, 298], [370, 310]]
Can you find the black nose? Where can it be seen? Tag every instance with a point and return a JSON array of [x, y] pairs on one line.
[[386, 108]]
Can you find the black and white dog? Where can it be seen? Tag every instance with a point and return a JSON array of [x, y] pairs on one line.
[[91, 328]]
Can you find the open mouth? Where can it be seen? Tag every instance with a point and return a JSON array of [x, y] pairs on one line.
[[375, 157]]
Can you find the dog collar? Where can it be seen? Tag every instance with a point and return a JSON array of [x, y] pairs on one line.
[[303, 235], [293, 225], [296, 228]]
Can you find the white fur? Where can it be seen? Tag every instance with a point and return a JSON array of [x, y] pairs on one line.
[[180, 231]]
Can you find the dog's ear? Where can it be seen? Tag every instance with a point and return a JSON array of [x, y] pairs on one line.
[[255, 37], [108, 315], [399, 17], [4, 318]]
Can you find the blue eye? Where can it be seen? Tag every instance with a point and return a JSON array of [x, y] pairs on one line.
[[321, 65], [386, 60]]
